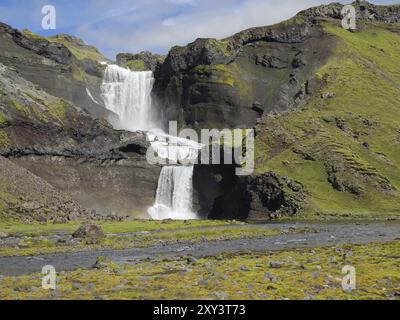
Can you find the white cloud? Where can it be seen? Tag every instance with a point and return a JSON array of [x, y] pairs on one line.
[[217, 19], [135, 25]]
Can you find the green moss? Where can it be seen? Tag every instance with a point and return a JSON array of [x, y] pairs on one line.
[[58, 110], [156, 231], [111, 227], [4, 140], [362, 76], [3, 119], [303, 274], [136, 65], [81, 52], [29, 34], [223, 46], [218, 73], [19, 107]]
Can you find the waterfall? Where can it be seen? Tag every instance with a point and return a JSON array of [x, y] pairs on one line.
[[128, 94], [174, 194]]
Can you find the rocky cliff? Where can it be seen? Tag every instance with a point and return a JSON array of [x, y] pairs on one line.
[[97, 166], [62, 65], [333, 149], [324, 102]]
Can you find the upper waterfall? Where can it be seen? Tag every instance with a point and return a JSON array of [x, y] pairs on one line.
[[128, 94]]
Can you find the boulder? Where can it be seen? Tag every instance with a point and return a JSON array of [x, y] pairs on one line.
[[89, 231]]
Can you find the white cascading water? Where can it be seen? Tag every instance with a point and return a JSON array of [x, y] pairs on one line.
[[128, 94], [174, 194]]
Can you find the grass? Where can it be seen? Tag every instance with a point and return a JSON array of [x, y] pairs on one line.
[[301, 274], [58, 110], [363, 76], [35, 242], [218, 74], [136, 65], [20, 107], [81, 52], [4, 140], [3, 119], [11, 226]]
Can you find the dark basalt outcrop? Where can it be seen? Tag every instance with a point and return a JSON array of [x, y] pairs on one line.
[[231, 83], [220, 194], [143, 61]]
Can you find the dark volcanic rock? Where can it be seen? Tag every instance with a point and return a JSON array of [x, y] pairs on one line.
[[100, 168], [215, 84], [364, 11], [89, 231], [220, 194]]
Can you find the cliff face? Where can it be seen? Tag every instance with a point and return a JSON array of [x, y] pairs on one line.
[[324, 102], [63, 66], [232, 82], [316, 95], [97, 166]]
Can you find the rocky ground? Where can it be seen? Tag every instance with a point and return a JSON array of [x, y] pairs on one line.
[[214, 260]]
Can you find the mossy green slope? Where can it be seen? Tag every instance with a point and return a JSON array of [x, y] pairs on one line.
[[76, 46], [343, 145]]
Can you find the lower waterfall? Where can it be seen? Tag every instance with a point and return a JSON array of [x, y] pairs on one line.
[[174, 194]]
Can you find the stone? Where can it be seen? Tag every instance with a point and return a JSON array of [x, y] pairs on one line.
[[3, 235], [89, 231], [271, 277], [191, 260], [276, 265]]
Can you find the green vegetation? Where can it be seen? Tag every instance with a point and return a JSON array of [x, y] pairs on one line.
[[80, 51], [12, 226], [58, 110], [296, 274], [218, 73], [342, 146], [136, 65], [19, 107], [4, 140], [3, 119], [35, 242], [223, 46], [29, 34]]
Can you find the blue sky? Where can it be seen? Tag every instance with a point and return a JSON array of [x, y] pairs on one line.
[[155, 25]]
